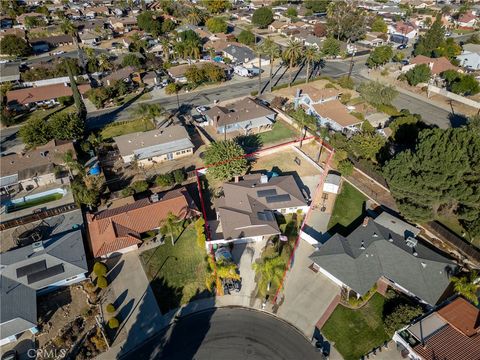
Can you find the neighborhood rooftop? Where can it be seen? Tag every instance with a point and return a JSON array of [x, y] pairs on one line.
[[42, 93]]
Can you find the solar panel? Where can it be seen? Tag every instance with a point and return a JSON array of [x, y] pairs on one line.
[[31, 268], [268, 192], [45, 274], [278, 198]]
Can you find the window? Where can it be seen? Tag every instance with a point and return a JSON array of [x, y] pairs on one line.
[[177, 153]]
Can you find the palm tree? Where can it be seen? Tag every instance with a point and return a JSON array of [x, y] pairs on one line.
[[292, 54], [148, 112], [171, 226], [71, 163], [104, 63], [270, 271], [273, 52], [165, 49], [260, 49], [70, 29], [467, 286], [195, 17], [312, 56]]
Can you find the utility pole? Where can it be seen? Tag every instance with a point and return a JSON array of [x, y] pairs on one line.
[[351, 65]]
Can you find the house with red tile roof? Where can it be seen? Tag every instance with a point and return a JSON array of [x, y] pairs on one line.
[[451, 332], [402, 28], [467, 21], [119, 230], [436, 65]]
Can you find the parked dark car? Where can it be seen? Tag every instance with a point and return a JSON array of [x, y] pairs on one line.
[[10, 355]]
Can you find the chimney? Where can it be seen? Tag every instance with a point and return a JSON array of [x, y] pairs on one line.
[[365, 221], [362, 246], [263, 179], [236, 178]]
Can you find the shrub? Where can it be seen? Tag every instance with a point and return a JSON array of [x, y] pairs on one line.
[[100, 269], [110, 308], [345, 167], [102, 282], [402, 315], [345, 98], [254, 93], [139, 186], [346, 82], [128, 191], [113, 323], [179, 176], [330, 86], [65, 100], [165, 179]]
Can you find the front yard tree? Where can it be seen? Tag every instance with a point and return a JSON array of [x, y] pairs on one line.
[[131, 60], [270, 272], [380, 56], [317, 6], [171, 226], [346, 21], [379, 25], [217, 6], [13, 45], [375, 93], [35, 132], [217, 25], [312, 57], [293, 52], [331, 47], [419, 74], [367, 145], [262, 17], [439, 177], [246, 37], [467, 286], [432, 39], [225, 160], [66, 126], [402, 315], [150, 22]]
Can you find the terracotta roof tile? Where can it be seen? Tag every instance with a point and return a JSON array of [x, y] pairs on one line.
[[42, 93], [463, 316], [438, 66]]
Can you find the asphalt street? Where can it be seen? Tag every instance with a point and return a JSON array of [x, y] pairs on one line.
[[227, 334]]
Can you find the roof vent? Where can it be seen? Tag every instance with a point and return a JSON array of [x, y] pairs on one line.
[[415, 253], [130, 141], [263, 179], [154, 198], [424, 265], [37, 246], [362, 246], [411, 242], [390, 238], [375, 235]]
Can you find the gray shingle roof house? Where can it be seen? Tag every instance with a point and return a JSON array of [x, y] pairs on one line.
[[239, 54], [9, 72], [246, 209], [34, 269], [245, 115], [385, 248], [156, 145]]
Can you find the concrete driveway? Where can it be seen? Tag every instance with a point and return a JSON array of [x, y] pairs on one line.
[[244, 256], [306, 294]]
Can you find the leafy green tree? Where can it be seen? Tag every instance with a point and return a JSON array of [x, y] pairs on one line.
[[66, 126], [292, 53], [217, 6], [168, 26], [432, 39], [465, 85], [102, 282], [65, 100], [246, 37], [345, 167], [113, 323], [110, 308], [150, 22], [467, 286], [189, 45], [217, 25], [83, 194], [34, 21], [172, 88], [405, 129], [291, 12], [139, 186], [380, 56], [379, 25], [317, 6], [376, 93], [15, 46], [402, 315], [100, 269], [225, 159], [367, 145], [262, 17], [195, 16], [195, 75], [449, 48], [166, 179], [171, 226], [440, 176], [331, 47], [419, 74], [131, 60], [346, 21], [270, 273], [35, 132], [178, 175], [213, 73]]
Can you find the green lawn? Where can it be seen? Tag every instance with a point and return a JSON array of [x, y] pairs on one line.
[[176, 281], [356, 332], [451, 223], [44, 113], [127, 127], [34, 202], [348, 206], [279, 133]]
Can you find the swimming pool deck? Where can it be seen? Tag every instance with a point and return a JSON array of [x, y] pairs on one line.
[[65, 200]]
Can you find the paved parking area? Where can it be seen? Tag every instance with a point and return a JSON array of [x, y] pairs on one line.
[[306, 294]]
